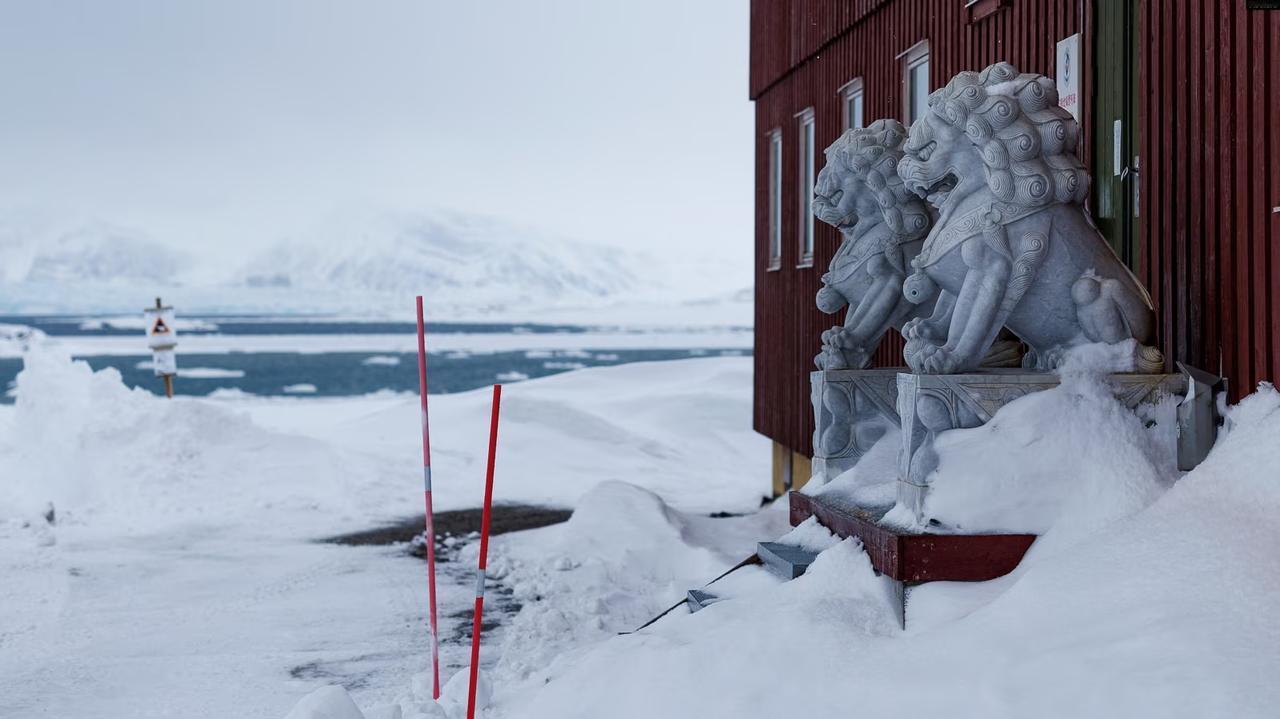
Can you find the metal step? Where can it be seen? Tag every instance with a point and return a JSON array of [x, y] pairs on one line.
[[700, 599], [785, 560]]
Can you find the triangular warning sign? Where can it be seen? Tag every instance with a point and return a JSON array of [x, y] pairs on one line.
[[160, 327]]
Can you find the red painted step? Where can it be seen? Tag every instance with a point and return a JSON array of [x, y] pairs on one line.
[[915, 558]]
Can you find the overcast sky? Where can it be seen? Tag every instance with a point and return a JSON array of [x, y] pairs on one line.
[[230, 123]]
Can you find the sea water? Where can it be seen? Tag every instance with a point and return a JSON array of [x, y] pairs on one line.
[[240, 365]]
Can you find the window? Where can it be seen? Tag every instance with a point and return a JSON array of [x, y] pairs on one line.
[[775, 199], [852, 96], [916, 81], [806, 187]]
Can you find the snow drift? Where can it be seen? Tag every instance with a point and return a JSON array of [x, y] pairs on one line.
[[182, 570], [1061, 463], [117, 458], [1161, 604]]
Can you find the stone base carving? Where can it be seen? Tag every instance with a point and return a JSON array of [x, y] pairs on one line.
[[931, 404], [852, 409]]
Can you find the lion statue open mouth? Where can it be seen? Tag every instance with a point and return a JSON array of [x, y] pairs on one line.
[[1012, 245], [883, 225]]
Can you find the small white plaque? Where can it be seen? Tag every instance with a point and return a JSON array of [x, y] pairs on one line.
[[165, 362]]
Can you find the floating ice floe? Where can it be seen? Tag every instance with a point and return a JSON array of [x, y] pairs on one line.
[[563, 365], [198, 372]]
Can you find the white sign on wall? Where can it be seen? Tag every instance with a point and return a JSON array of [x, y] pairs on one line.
[[1069, 69]]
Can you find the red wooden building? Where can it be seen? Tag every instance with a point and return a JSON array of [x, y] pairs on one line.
[[1180, 108]]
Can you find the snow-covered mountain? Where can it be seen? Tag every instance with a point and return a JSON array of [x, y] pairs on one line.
[[471, 268], [463, 259], [93, 252]]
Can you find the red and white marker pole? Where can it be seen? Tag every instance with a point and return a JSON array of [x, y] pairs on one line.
[[430, 520], [484, 554]]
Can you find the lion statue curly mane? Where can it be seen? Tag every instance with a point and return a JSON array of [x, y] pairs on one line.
[[1012, 244], [883, 225]]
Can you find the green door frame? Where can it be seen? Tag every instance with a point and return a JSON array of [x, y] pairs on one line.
[[1115, 127]]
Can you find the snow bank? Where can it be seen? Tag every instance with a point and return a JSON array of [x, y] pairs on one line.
[[680, 429], [729, 659], [182, 569], [1169, 612], [623, 557], [872, 482], [329, 702], [1059, 463], [15, 339], [125, 459]]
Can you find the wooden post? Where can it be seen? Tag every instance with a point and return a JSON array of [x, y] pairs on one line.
[[161, 338]]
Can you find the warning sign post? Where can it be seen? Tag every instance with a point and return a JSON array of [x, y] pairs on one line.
[[162, 338]]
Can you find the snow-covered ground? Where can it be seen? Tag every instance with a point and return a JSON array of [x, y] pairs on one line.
[[181, 579], [182, 576], [1144, 598]]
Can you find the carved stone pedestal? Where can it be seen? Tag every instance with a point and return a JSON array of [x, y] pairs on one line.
[[931, 404], [852, 409]]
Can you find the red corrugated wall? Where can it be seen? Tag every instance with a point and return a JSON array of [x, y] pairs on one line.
[[802, 52], [1209, 84]]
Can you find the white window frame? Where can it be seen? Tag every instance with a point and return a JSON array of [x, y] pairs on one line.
[[774, 138], [808, 139], [912, 57], [848, 92]]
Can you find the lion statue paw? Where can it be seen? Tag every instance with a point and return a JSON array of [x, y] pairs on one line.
[[920, 328], [928, 358], [840, 350]]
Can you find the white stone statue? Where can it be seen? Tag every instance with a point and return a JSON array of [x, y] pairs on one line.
[[1012, 245], [860, 193]]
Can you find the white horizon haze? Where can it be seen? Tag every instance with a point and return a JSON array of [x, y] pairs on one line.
[[221, 129]]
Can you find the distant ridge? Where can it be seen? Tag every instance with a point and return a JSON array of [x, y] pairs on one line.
[[473, 268]]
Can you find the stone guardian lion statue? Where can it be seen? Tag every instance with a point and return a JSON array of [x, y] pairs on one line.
[[1012, 245], [883, 225]]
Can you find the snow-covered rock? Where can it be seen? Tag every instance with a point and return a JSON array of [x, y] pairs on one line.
[[331, 702], [454, 695]]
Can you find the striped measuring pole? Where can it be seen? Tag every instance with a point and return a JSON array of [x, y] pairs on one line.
[[484, 554], [430, 535]]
